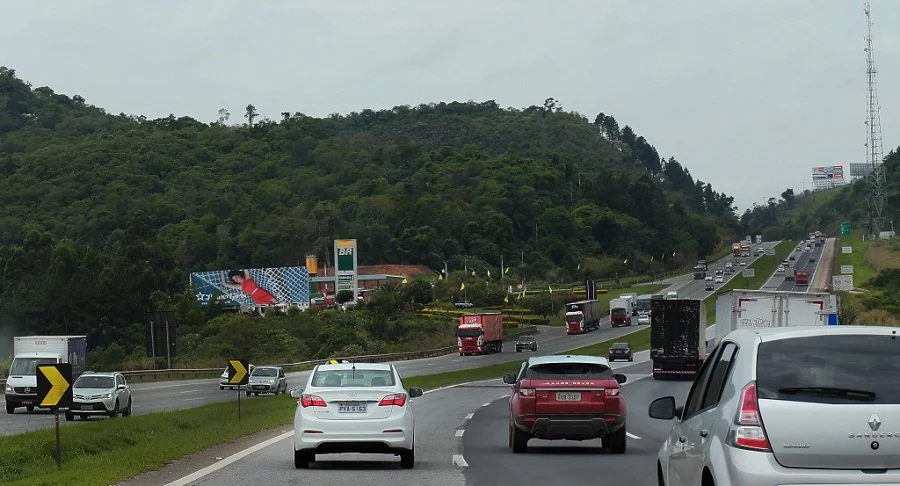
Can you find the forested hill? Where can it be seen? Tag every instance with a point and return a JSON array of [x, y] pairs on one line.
[[100, 208]]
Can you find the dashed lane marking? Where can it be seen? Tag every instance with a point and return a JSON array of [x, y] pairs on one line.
[[469, 417], [460, 432], [459, 461], [629, 434], [488, 403]]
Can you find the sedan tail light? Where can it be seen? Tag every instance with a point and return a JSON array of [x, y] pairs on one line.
[[396, 400], [312, 401]]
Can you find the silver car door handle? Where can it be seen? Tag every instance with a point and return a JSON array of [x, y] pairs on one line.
[[704, 433], [682, 438]]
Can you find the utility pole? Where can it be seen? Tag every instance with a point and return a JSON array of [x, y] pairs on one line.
[[501, 267]]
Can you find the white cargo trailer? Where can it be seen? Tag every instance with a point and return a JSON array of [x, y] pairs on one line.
[[738, 309]]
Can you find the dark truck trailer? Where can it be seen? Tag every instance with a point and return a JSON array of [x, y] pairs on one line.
[[677, 338]]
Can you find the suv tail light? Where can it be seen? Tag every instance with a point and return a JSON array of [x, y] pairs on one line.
[[312, 401], [397, 400], [748, 431], [526, 392], [611, 392]]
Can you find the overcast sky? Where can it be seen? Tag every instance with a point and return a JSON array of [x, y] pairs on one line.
[[748, 94]]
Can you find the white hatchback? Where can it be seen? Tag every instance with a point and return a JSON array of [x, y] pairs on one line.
[[354, 407]]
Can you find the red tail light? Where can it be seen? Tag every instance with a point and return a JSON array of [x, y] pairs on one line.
[[611, 392], [748, 431], [312, 401], [526, 392], [397, 400]]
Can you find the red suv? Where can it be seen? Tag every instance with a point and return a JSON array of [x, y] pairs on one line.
[[566, 397]]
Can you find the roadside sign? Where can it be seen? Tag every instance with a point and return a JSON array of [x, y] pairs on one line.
[[845, 228], [749, 273], [842, 282], [846, 249], [54, 385], [846, 269], [237, 372]]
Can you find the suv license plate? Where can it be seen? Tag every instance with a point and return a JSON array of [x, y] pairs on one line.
[[352, 408], [568, 397]]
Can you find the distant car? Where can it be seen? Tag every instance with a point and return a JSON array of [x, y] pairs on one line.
[[709, 278], [743, 263], [354, 407], [719, 279], [267, 379], [792, 258], [710, 286], [790, 405], [797, 249], [223, 380], [621, 351], [719, 271], [566, 397], [526, 342], [464, 305], [100, 394], [643, 319]]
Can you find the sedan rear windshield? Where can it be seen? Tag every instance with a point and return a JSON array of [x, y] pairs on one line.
[[353, 378], [830, 369], [587, 371]]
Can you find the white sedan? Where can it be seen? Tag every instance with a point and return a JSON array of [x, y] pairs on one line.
[[354, 407]]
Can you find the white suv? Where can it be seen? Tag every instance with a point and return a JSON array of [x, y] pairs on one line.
[[100, 394]]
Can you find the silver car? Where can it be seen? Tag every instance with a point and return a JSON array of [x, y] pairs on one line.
[[267, 379], [797, 405], [100, 394]]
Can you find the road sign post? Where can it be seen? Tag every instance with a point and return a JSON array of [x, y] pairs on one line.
[[845, 228], [239, 374], [54, 390]]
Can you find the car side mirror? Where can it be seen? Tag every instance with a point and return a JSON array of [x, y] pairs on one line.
[[120, 387], [416, 392], [663, 408], [509, 379], [620, 378], [296, 392]]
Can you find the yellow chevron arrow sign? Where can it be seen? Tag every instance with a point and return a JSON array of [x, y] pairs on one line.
[[54, 384], [237, 371]]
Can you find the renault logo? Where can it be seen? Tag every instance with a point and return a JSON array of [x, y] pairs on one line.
[[874, 422], [28, 390]]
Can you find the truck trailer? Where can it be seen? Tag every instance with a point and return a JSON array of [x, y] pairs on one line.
[[32, 351], [620, 312], [738, 309], [582, 316], [480, 333], [678, 338]]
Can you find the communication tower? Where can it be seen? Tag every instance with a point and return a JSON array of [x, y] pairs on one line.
[[879, 220]]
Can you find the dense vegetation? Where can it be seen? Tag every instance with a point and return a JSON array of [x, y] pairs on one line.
[[795, 215], [102, 216]]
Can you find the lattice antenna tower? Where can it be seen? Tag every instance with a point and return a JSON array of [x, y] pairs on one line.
[[877, 186]]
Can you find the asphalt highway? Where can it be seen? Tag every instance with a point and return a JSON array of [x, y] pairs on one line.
[[806, 260], [178, 395]]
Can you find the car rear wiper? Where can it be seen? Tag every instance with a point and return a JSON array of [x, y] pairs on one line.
[[830, 391]]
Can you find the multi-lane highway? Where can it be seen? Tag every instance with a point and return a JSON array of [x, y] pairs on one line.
[[803, 260]]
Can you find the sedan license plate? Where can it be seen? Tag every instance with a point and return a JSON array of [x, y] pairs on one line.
[[568, 397], [352, 408]]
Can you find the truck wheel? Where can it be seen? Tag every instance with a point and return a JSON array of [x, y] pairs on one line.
[[10, 408], [519, 440], [617, 441]]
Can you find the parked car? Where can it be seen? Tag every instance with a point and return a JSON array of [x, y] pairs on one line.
[[526, 342], [566, 397], [100, 394], [354, 407], [267, 379], [790, 405], [223, 380], [620, 351]]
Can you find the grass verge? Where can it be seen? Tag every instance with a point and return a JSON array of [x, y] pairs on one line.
[[863, 271], [764, 267], [559, 319], [108, 451]]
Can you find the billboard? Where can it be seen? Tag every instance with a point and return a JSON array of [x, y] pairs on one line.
[[345, 265], [254, 286], [832, 172]]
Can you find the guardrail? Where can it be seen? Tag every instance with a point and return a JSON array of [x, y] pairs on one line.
[[138, 375]]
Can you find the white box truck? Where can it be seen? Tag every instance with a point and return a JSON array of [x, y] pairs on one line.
[[737, 309], [620, 312], [33, 351]]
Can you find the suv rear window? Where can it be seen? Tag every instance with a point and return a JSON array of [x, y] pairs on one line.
[[844, 369], [588, 371]]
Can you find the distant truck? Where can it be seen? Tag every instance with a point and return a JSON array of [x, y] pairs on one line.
[[678, 338], [620, 312], [801, 278], [32, 351], [738, 309], [758, 239], [633, 298], [480, 333], [789, 273], [582, 316], [736, 250], [699, 272]]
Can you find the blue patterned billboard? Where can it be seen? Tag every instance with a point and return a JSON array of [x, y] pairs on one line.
[[254, 286]]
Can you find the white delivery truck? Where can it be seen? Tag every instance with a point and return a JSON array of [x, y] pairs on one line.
[[633, 299], [620, 312], [737, 309], [33, 351]]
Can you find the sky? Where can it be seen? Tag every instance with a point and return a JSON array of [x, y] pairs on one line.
[[748, 94]]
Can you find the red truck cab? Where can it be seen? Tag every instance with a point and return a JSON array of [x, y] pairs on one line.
[[480, 333], [566, 397], [801, 278]]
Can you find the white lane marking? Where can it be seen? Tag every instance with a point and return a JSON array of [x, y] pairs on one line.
[[460, 432], [488, 403], [191, 399], [206, 471], [469, 417], [188, 391], [459, 461], [629, 434]]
